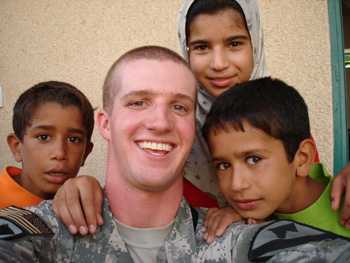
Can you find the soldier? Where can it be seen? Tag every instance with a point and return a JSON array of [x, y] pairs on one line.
[[148, 120]]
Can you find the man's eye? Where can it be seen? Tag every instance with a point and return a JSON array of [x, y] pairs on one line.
[[43, 137], [222, 166], [253, 160], [138, 103], [179, 108]]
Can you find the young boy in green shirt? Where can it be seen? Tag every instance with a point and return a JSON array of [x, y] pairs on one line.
[[259, 137]]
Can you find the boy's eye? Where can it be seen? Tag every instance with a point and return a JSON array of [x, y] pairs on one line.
[[43, 137], [222, 166], [253, 160], [74, 139]]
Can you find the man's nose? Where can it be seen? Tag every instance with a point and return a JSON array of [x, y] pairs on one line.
[[159, 118]]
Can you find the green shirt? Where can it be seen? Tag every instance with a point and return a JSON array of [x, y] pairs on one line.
[[320, 213]]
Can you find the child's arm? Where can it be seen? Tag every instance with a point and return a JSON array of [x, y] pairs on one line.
[[74, 196], [338, 187], [217, 220]]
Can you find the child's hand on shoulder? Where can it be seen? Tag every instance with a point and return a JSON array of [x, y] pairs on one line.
[[78, 204], [217, 220]]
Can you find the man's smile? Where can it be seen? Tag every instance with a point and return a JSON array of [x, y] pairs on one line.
[[155, 146]]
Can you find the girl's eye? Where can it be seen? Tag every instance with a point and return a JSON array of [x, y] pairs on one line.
[[253, 160], [201, 48], [235, 44], [43, 137], [74, 139], [222, 166]]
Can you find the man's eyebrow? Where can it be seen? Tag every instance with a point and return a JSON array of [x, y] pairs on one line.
[[137, 93], [184, 97], [149, 92]]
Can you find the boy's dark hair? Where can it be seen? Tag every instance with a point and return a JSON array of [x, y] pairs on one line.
[[51, 91], [267, 104], [210, 7]]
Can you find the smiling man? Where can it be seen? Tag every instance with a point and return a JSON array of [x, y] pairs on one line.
[[149, 100], [149, 124]]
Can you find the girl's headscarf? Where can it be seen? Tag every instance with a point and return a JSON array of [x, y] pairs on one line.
[[198, 169], [252, 15]]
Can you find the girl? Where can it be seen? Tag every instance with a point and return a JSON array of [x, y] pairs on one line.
[[223, 42]]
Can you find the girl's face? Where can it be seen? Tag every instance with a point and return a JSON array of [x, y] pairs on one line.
[[220, 51]]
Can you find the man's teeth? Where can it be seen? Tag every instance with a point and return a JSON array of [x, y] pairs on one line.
[[155, 146]]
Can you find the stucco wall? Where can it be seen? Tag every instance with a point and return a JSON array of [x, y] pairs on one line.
[[77, 41]]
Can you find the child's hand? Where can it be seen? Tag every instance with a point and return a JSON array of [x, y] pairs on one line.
[[252, 221], [217, 220], [82, 192], [339, 184]]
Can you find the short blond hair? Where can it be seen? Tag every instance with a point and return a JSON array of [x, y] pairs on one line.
[[112, 84]]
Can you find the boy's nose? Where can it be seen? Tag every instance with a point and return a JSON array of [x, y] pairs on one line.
[[219, 60], [239, 180], [159, 119], [59, 151]]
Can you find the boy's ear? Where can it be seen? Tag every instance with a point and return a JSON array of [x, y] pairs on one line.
[[15, 145], [87, 152], [305, 157]]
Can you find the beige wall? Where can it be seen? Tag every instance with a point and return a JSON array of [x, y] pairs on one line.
[[77, 41]]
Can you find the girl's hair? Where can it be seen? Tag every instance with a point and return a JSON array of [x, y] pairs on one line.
[[211, 7]]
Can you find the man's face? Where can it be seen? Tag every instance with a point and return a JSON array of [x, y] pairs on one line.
[[152, 125]]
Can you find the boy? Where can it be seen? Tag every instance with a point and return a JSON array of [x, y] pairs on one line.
[[53, 124], [259, 138]]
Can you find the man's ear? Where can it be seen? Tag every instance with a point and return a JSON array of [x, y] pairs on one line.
[[103, 124], [305, 157], [15, 145], [88, 150]]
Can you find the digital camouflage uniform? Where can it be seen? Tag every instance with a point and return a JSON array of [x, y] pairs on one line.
[[183, 244]]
